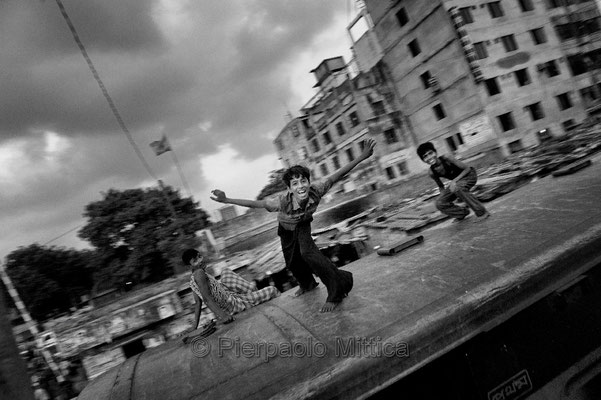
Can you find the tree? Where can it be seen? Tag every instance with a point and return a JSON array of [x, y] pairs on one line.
[[50, 279], [274, 185], [136, 235]]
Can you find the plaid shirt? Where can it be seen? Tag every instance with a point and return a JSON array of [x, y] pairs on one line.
[[290, 212]]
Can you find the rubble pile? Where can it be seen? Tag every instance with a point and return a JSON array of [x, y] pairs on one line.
[[529, 165]]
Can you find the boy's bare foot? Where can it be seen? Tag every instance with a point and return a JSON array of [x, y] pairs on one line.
[[482, 217], [302, 291], [328, 306]]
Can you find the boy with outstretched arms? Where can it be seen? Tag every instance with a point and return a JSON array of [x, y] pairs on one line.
[[462, 178], [295, 212]]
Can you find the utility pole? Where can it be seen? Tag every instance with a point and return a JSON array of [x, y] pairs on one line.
[[180, 230], [14, 381], [31, 326]]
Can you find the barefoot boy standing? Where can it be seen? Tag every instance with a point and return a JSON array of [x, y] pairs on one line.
[[295, 213]]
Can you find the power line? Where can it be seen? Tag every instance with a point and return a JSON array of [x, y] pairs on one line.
[[105, 92], [61, 235]]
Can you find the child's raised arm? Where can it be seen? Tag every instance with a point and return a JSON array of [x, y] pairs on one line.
[[220, 197], [368, 150]]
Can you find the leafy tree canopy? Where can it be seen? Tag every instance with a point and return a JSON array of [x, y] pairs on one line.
[[50, 279], [137, 236]]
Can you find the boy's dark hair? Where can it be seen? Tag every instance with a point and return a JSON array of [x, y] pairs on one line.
[[189, 255], [294, 171], [424, 148]]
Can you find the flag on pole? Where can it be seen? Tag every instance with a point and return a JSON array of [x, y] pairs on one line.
[[160, 146]]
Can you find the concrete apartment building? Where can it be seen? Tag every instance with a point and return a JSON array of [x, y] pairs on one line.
[[335, 122], [489, 77]]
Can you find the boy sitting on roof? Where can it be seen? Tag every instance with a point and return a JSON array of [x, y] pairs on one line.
[[462, 178], [225, 297], [295, 213]]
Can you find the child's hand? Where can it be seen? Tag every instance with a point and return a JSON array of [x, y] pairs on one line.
[[368, 148], [452, 186], [218, 196]]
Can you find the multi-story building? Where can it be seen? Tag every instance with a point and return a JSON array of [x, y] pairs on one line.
[[487, 76], [334, 124]]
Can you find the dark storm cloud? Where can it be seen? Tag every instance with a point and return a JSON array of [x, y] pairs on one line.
[[208, 74], [274, 34], [105, 25], [227, 70]]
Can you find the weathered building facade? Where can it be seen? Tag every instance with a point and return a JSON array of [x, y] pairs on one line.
[[476, 76], [334, 124]]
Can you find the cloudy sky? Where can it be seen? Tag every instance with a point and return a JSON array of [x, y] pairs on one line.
[[216, 77]]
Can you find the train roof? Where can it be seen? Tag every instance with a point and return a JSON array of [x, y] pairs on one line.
[[404, 310]]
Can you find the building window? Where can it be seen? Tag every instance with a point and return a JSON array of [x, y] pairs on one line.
[[589, 94], [526, 5], [522, 77], [506, 121], [349, 154], [578, 65], [353, 119], [480, 49], [390, 136], [403, 170], [466, 15], [279, 145], [324, 169], [390, 173], [592, 25], [536, 111], [538, 35], [509, 43], [326, 137], [550, 67], [426, 79], [414, 48], [578, 29], [451, 144], [340, 129], [454, 141], [564, 31], [295, 131], [564, 101], [492, 86], [495, 9], [378, 107], [402, 17], [439, 111], [314, 145], [515, 146], [336, 162]]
